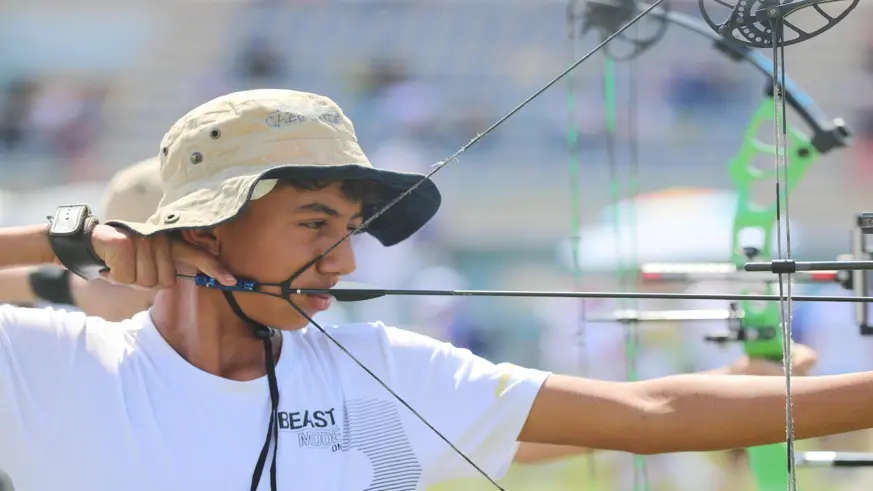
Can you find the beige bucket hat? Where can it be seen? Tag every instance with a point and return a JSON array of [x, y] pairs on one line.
[[232, 149], [134, 192]]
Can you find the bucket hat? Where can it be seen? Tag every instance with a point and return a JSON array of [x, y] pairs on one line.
[[234, 148]]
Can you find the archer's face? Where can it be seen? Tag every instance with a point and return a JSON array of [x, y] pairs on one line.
[[277, 235]]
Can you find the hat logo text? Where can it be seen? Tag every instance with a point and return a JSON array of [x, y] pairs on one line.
[[278, 119]]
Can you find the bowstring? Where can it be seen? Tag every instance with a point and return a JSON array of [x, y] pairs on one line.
[[436, 168], [575, 172], [781, 172]]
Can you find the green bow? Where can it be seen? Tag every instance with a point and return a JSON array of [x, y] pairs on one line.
[[756, 326]]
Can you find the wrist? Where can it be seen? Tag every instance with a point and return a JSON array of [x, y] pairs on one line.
[[70, 236], [51, 258]]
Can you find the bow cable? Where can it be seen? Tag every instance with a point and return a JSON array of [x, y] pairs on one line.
[[625, 202], [575, 175]]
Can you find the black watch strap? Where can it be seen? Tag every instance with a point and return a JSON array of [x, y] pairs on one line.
[[70, 238]]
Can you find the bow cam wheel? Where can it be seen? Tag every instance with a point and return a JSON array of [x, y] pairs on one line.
[[753, 22]]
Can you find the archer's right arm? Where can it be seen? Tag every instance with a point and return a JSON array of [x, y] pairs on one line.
[[15, 286], [25, 246]]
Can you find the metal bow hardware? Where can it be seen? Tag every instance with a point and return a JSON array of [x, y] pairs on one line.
[[765, 23], [765, 331]]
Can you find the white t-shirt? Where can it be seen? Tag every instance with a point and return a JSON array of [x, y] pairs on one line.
[[90, 405]]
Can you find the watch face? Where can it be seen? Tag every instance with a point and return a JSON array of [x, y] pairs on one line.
[[69, 220]]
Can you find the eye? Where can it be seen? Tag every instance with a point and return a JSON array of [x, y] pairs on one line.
[[354, 229], [315, 225]]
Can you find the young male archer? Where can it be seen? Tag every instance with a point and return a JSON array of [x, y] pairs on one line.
[[221, 389]]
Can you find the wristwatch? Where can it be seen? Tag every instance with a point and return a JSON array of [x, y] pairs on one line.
[[70, 239]]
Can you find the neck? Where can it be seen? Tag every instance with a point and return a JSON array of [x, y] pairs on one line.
[[200, 325]]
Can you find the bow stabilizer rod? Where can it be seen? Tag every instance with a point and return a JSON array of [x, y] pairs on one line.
[[835, 459]]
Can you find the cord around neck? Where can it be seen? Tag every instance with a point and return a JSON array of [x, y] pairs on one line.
[[266, 335]]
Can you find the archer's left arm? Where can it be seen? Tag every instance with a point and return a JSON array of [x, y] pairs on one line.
[[695, 412], [803, 359]]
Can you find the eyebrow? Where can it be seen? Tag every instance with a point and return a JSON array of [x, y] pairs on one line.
[[323, 208]]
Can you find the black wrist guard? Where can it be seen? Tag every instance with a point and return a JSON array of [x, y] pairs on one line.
[[52, 284], [70, 238]]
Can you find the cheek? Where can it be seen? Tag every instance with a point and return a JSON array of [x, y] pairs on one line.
[[270, 255]]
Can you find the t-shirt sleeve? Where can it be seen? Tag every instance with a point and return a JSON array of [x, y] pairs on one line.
[[479, 406]]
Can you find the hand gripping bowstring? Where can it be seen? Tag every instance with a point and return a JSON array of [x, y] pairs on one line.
[[754, 23]]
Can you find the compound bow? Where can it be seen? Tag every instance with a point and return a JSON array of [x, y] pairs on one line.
[[757, 327]]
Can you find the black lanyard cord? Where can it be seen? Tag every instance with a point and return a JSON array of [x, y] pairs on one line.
[[266, 334]]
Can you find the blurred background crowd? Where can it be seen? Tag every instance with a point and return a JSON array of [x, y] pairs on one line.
[[87, 89]]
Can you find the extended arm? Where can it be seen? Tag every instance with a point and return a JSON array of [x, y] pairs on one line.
[[803, 359], [695, 412]]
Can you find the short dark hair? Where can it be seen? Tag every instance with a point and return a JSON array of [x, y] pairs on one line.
[[363, 191]]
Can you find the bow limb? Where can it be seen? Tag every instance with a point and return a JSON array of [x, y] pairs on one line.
[[759, 329], [760, 325]]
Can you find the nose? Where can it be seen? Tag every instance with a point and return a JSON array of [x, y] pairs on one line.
[[340, 261]]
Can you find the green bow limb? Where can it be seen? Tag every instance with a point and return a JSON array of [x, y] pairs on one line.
[[757, 326]]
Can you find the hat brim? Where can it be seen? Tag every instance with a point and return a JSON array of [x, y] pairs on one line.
[[210, 206]]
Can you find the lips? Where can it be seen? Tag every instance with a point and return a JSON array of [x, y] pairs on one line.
[[319, 302]]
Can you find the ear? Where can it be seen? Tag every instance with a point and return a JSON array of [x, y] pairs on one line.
[[203, 238]]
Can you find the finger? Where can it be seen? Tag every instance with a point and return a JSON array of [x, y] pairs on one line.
[[201, 260], [164, 261], [121, 259], [803, 367], [146, 270]]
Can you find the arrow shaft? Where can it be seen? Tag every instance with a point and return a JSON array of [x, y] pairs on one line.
[[367, 294]]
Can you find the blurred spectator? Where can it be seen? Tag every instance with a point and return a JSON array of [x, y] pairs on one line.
[[395, 102], [863, 164], [15, 104], [259, 64], [698, 88], [63, 121], [444, 317]]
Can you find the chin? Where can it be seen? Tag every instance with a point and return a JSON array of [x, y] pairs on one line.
[[285, 320], [276, 313]]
